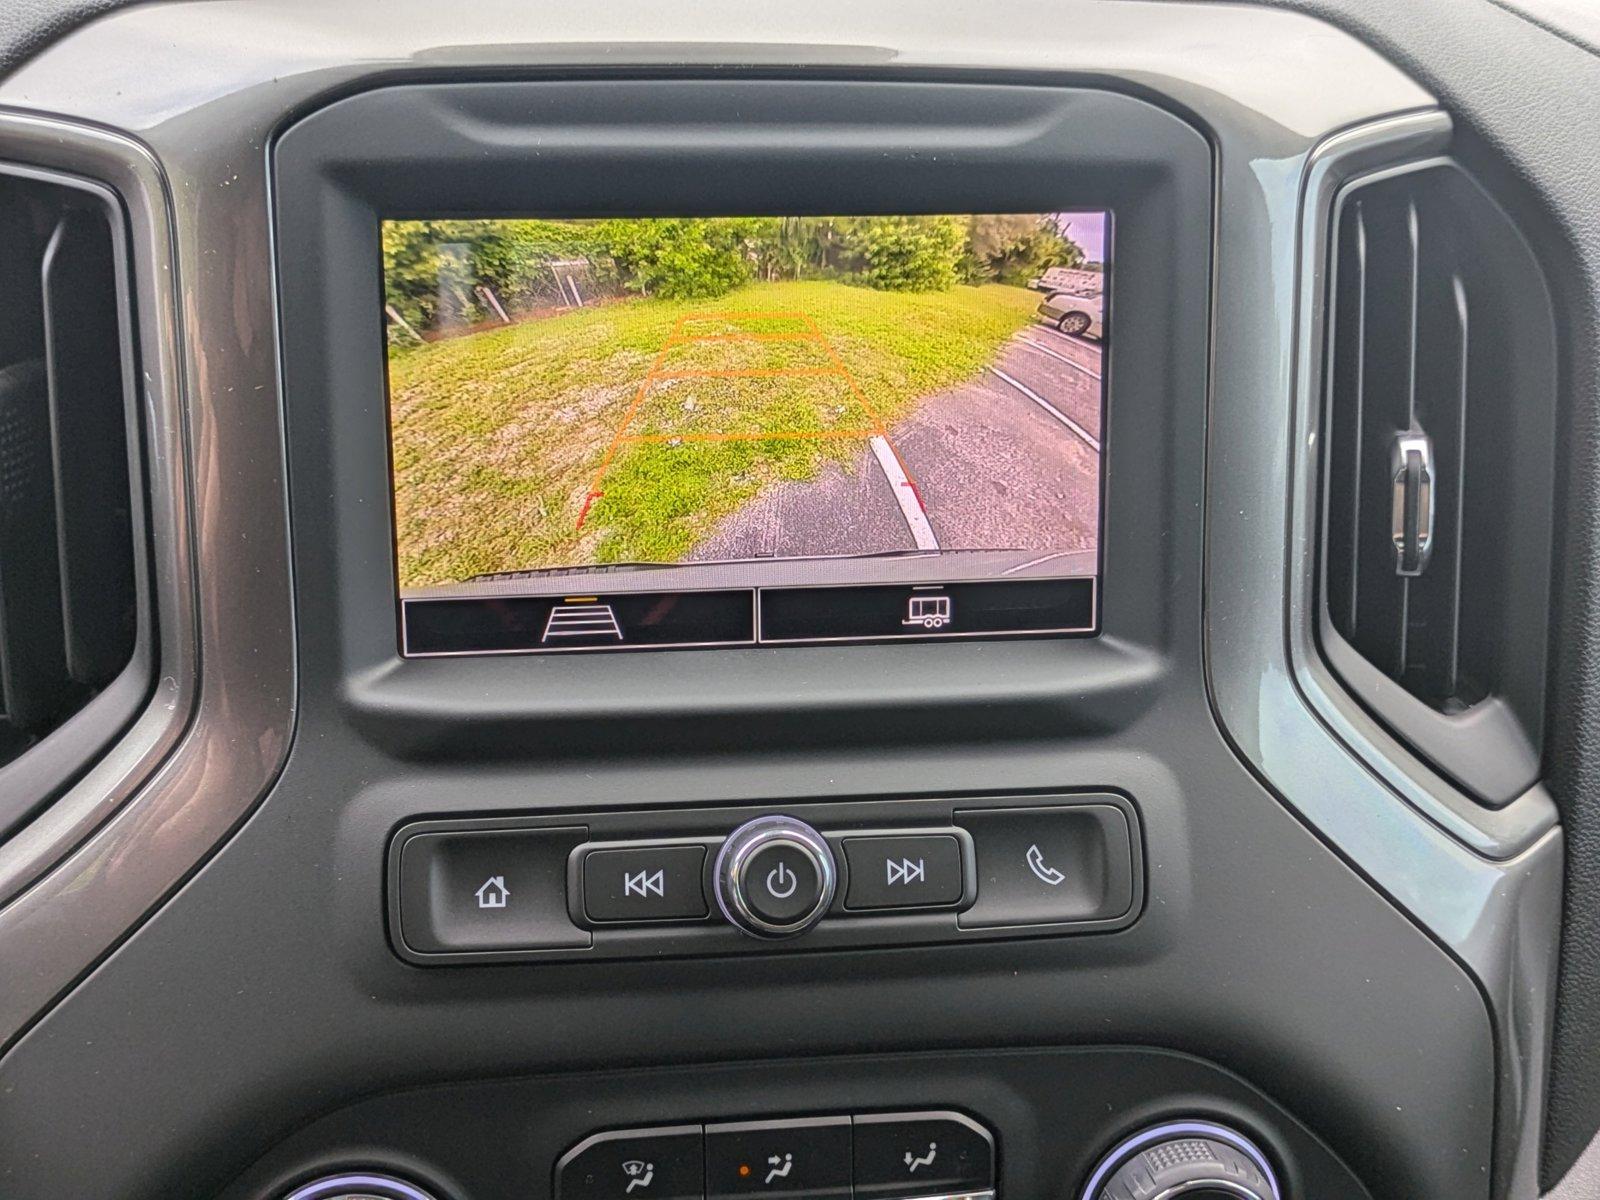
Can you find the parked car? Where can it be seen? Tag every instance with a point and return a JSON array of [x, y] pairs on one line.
[[1078, 315]]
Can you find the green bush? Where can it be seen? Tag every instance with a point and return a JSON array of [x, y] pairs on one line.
[[431, 267], [913, 254], [1015, 248], [692, 258]]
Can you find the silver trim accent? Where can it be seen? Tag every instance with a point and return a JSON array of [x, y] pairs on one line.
[[748, 840], [1405, 445], [217, 729], [1114, 1159], [124, 173], [358, 1186], [986, 1194], [1215, 1185]]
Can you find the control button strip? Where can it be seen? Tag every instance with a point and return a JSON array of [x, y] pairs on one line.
[[624, 883], [881, 1156], [878, 871]]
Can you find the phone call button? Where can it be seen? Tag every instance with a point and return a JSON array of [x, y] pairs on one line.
[[1071, 862]]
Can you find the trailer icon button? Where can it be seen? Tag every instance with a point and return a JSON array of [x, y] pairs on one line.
[[928, 611]]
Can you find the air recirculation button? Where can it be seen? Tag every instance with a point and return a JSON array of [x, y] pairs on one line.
[[1191, 1160]]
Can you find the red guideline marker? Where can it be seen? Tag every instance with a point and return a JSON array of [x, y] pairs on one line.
[[588, 501], [917, 492]]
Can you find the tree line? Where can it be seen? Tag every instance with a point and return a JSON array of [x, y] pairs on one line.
[[439, 274]]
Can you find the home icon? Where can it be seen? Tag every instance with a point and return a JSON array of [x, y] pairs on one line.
[[493, 893]]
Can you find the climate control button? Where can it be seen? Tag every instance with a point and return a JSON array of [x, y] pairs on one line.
[[635, 1164], [775, 877], [807, 1159], [921, 1154]]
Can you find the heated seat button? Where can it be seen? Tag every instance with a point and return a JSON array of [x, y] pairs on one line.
[[634, 1164], [1045, 866], [921, 1154], [645, 883], [921, 871], [795, 1160]]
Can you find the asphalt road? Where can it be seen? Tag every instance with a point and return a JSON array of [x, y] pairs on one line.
[[994, 468]]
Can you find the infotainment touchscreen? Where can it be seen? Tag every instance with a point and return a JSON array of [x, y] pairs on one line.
[[641, 433]]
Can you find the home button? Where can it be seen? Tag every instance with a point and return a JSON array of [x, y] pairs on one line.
[[487, 891]]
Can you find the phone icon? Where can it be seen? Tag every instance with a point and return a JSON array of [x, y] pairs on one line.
[[1039, 867]]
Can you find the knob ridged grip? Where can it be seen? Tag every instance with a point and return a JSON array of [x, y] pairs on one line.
[[1184, 1161], [775, 877]]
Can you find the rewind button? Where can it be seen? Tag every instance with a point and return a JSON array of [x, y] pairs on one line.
[[643, 883]]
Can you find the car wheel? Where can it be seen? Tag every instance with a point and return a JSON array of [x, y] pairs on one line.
[[1075, 323]]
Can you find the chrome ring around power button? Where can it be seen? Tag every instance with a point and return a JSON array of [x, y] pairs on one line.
[[742, 847]]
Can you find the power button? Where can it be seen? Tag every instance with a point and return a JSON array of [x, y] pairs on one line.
[[775, 877], [781, 882]]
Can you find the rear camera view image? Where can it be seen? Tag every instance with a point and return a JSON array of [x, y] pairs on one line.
[[648, 432]]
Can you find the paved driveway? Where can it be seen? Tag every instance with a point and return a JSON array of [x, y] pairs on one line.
[[1006, 461]]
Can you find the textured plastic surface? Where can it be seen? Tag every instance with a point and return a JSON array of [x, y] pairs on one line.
[[1259, 946], [1338, 1046]]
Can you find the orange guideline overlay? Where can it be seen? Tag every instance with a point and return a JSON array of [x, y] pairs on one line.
[[678, 337]]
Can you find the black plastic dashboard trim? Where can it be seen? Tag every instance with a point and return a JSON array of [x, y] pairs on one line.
[[710, 937]]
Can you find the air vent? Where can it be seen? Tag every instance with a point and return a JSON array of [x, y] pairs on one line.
[[1439, 473], [69, 575]]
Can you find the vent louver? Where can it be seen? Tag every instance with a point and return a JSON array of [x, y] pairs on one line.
[[69, 608], [1438, 482]]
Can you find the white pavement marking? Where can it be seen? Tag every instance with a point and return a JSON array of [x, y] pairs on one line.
[[1089, 438], [904, 494], [1072, 339], [1034, 562], [1076, 366]]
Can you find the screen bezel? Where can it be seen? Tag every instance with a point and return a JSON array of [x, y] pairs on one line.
[[601, 146]]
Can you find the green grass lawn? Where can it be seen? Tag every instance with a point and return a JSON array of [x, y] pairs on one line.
[[499, 436]]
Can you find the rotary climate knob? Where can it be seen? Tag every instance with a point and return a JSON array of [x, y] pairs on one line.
[[1184, 1160], [775, 877]]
